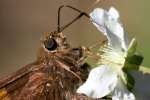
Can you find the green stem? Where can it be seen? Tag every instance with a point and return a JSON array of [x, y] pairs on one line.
[[145, 70]]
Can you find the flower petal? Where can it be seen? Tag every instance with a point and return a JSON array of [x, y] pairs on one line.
[[113, 13], [108, 23], [121, 92], [97, 17], [101, 81]]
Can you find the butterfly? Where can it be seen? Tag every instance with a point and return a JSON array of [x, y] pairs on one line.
[[56, 73]]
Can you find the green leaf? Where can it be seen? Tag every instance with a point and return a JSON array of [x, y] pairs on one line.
[[128, 80], [132, 47], [133, 62]]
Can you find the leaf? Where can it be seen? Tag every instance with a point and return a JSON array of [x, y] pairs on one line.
[[133, 62], [132, 47], [129, 80]]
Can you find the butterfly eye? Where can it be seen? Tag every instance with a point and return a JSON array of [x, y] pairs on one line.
[[50, 44]]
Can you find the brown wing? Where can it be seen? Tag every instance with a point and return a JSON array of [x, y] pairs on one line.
[[12, 84], [50, 79], [26, 84]]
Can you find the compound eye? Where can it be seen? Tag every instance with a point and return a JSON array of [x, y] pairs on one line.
[[50, 44]]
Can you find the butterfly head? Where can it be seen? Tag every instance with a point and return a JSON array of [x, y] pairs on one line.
[[54, 41]]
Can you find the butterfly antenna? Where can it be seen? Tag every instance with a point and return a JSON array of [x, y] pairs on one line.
[[59, 28]]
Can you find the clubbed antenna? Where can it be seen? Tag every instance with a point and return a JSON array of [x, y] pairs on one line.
[[59, 28]]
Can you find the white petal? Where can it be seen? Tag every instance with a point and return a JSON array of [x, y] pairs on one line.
[[101, 81], [122, 93], [108, 23], [97, 17], [113, 13]]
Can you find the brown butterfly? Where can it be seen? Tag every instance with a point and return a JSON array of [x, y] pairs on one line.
[[56, 73]]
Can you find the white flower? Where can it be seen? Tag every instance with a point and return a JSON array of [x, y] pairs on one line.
[[109, 77]]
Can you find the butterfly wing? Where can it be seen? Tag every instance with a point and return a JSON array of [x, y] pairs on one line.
[[12, 84], [29, 83], [49, 79]]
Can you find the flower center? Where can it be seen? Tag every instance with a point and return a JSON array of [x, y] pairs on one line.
[[112, 58]]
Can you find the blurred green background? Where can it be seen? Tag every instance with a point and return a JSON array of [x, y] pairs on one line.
[[22, 22]]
